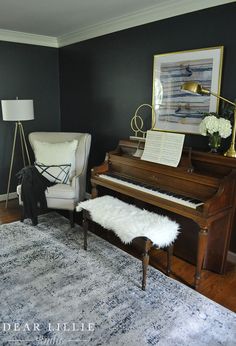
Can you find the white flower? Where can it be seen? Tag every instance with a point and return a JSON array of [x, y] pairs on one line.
[[211, 124], [224, 128]]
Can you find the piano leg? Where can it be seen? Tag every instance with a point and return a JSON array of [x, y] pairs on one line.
[[202, 242], [94, 191]]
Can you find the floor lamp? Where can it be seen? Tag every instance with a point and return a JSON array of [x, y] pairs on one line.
[[17, 110]]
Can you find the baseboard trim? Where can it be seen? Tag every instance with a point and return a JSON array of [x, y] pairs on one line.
[[231, 257], [12, 195]]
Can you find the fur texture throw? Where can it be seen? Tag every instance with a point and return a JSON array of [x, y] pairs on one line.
[[129, 222]]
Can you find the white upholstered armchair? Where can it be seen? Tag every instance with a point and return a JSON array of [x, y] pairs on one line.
[[65, 195]]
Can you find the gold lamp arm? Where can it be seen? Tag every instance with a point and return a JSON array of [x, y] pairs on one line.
[[222, 98]]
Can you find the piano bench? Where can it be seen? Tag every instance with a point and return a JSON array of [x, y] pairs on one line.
[[129, 222]]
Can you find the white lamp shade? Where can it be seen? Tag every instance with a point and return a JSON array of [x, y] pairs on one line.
[[17, 110]]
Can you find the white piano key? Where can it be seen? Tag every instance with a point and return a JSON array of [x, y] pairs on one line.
[[167, 196]]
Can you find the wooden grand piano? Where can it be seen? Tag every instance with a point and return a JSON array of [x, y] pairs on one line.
[[201, 189]]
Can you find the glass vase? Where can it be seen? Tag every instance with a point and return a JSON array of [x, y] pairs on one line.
[[214, 142]]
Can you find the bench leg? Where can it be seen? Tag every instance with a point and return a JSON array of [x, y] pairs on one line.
[[85, 228], [145, 262], [169, 259]]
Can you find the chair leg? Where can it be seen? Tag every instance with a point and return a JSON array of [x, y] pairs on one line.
[[34, 220], [72, 224], [22, 213], [85, 228], [169, 259]]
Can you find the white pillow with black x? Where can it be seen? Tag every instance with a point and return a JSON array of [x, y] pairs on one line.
[[58, 174]]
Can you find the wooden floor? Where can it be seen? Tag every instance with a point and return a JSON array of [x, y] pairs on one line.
[[220, 288]]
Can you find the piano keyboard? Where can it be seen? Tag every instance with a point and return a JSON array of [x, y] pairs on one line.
[[188, 202]]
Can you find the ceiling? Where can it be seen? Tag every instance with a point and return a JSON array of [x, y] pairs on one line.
[[61, 22]]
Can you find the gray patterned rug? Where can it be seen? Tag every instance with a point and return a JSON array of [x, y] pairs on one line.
[[55, 293]]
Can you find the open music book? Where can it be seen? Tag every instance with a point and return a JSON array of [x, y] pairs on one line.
[[163, 147]]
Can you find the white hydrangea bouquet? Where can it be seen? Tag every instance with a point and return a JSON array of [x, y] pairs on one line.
[[216, 128]]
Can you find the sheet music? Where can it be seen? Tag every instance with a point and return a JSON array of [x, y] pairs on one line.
[[163, 147]]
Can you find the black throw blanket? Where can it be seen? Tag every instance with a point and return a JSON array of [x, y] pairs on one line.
[[33, 186]]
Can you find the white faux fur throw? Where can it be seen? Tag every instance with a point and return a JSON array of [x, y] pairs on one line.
[[129, 222]]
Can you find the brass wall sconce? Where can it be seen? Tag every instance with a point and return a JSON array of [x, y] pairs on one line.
[[196, 88]]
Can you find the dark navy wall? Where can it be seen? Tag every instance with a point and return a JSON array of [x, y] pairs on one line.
[[29, 72], [103, 80]]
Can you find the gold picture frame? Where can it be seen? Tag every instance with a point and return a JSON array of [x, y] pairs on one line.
[[177, 111]]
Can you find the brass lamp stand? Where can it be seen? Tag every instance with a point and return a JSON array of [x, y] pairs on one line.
[[17, 111], [24, 150], [196, 88]]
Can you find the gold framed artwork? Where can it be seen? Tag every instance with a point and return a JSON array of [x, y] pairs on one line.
[[176, 110]]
